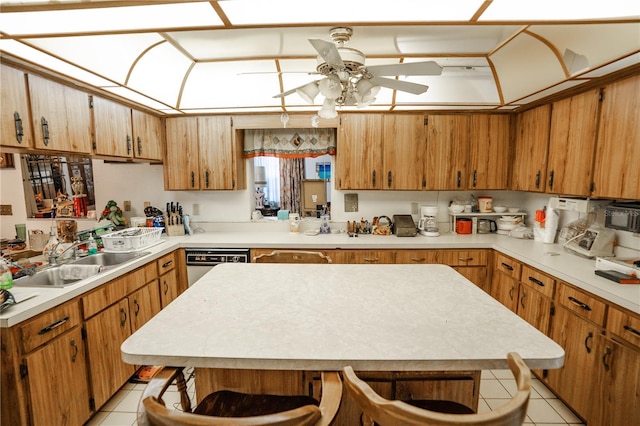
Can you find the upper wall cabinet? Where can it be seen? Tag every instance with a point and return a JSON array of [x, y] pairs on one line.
[[530, 149], [359, 152], [404, 149], [148, 136], [203, 153], [572, 143], [488, 151], [616, 173], [61, 118], [15, 125], [447, 148]]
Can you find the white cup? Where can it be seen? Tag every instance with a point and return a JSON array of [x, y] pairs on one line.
[[256, 215]]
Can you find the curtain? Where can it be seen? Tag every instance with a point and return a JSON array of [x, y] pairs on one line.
[[289, 143], [272, 170], [291, 174]]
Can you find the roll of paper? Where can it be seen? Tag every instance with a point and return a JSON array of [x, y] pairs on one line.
[[79, 272]]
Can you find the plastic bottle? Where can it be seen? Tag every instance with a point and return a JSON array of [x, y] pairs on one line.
[[6, 279], [93, 246]]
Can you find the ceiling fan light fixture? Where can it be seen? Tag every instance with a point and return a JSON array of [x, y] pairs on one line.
[[328, 109], [308, 92], [366, 92], [330, 87]]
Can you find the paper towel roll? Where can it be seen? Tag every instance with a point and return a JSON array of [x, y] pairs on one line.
[[78, 272], [551, 225]]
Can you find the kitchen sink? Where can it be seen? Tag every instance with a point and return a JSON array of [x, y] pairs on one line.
[[108, 259], [50, 277]]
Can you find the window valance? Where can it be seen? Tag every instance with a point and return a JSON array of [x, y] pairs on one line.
[[289, 143]]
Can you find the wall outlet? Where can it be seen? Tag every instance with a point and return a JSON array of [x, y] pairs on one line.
[[414, 208], [127, 205], [195, 210], [6, 210], [147, 204]]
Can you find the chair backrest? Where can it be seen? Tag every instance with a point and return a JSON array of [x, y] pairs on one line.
[[153, 412], [386, 412], [292, 256]]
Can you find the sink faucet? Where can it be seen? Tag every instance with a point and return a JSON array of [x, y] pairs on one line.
[[53, 257]]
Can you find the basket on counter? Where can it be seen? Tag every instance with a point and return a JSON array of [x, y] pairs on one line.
[[131, 239]]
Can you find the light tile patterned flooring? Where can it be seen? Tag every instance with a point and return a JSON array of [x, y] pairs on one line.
[[495, 388]]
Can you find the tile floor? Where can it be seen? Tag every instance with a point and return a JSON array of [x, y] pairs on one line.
[[496, 386]]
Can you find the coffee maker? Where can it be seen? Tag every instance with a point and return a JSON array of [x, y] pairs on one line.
[[427, 224]]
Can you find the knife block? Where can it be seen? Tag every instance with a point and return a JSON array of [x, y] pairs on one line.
[[175, 230]]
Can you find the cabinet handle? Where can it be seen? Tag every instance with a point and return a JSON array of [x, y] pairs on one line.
[[123, 317], [424, 183], [586, 342], [206, 179], [45, 130], [551, 179], [579, 303], [366, 259], [389, 179], [418, 259], [538, 179], [605, 361], [193, 179], [507, 266], [19, 130], [524, 295], [373, 178], [475, 178], [166, 287], [137, 310], [139, 146], [128, 144], [167, 264], [511, 292], [53, 325], [631, 330], [536, 281], [75, 350], [459, 179], [465, 259]]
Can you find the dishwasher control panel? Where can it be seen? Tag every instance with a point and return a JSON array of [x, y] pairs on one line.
[[212, 257]]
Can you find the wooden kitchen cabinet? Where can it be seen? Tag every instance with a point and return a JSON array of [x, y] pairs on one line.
[[112, 128], [148, 136], [530, 149], [359, 157], [363, 256], [404, 150], [505, 280], [447, 150], [572, 143], [144, 304], [172, 276], [203, 153], [535, 298], [618, 142], [15, 124], [61, 118], [488, 151]]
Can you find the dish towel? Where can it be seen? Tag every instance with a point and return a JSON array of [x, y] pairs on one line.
[[78, 272]]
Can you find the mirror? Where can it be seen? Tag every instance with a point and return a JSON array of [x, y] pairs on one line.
[[56, 186]]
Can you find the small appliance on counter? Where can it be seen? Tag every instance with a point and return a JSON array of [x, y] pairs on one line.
[[623, 216], [620, 270], [595, 241], [427, 224], [404, 225]]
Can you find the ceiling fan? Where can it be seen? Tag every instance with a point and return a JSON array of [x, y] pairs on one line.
[[348, 81]]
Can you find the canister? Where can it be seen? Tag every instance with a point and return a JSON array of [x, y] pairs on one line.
[[485, 204]]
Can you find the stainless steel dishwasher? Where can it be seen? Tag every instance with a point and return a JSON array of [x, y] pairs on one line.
[[201, 260]]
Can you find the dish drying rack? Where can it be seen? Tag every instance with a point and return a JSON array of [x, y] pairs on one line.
[[131, 239]]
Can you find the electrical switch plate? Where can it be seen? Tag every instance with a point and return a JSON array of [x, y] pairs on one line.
[[196, 209], [147, 204], [127, 206], [350, 202], [414, 208], [6, 210]]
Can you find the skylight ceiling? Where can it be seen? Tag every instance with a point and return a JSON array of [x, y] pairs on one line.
[[234, 55]]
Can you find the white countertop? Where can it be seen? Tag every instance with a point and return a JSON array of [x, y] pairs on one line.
[[568, 267], [323, 317]]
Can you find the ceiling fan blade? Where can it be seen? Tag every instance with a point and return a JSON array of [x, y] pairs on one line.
[[409, 68], [328, 51], [404, 86]]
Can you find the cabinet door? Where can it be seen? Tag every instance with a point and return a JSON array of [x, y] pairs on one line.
[[404, 147], [15, 125], [364, 256], [148, 136], [530, 149], [217, 153], [181, 167], [58, 383], [475, 274], [144, 304], [617, 400], [488, 151], [572, 143], [446, 156], [618, 146], [61, 116], [105, 333], [359, 152], [168, 287], [112, 128], [575, 380], [505, 290], [534, 308]]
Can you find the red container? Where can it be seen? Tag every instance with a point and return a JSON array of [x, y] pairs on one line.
[[463, 226]]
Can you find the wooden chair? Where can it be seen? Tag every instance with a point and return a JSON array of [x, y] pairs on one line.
[[386, 412], [292, 256], [237, 409]]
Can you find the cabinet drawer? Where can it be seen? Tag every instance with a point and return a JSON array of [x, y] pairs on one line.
[[166, 263], [115, 290], [625, 326], [581, 303], [508, 266], [463, 257], [49, 325], [538, 280], [415, 257]]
